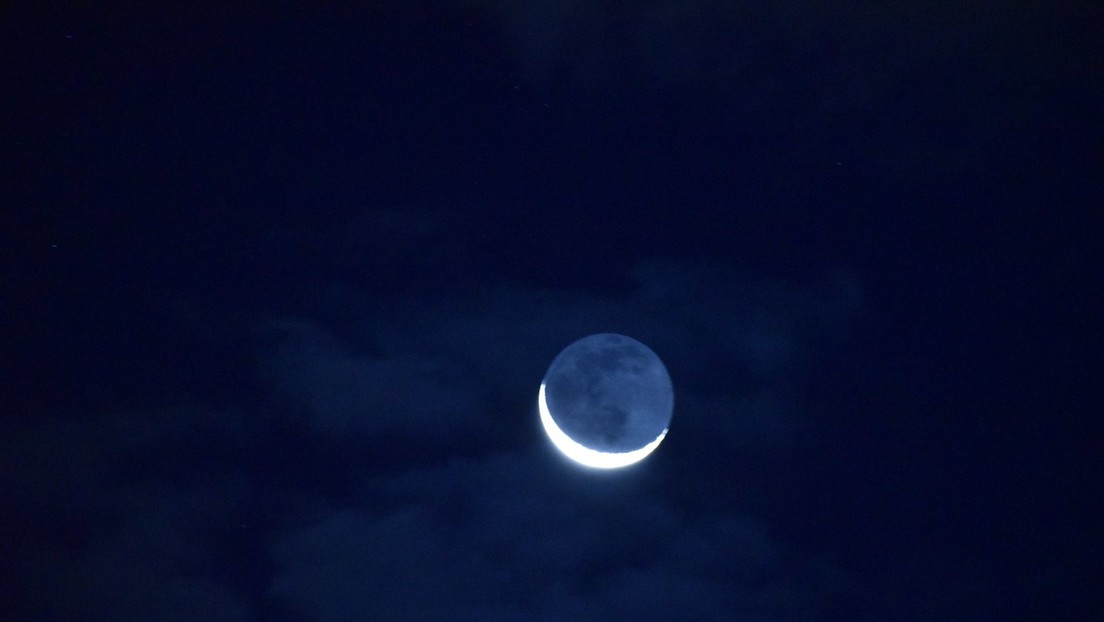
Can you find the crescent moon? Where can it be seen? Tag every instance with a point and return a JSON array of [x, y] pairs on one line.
[[585, 455]]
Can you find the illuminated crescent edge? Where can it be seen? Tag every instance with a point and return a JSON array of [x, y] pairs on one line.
[[585, 455]]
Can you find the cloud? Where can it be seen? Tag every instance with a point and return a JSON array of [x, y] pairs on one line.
[[345, 391], [329, 514], [513, 536], [470, 365], [514, 532]]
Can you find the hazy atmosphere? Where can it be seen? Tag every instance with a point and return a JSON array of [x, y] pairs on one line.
[[280, 283]]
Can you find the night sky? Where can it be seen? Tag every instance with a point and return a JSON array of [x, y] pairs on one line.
[[280, 283]]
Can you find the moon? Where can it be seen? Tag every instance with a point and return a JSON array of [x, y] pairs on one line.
[[606, 401]]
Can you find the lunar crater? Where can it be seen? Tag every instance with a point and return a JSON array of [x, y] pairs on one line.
[[609, 395]]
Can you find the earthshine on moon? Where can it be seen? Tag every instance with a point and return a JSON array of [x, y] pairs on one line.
[[606, 401]]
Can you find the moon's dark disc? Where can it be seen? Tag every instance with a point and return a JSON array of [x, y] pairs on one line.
[[609, 393]]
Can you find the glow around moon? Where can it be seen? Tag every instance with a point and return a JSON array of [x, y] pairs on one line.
[[606, 401]]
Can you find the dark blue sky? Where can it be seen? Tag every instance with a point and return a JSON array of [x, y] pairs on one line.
[[280, 283]]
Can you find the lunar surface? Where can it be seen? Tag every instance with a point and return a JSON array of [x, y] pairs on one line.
[[606, 401]]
